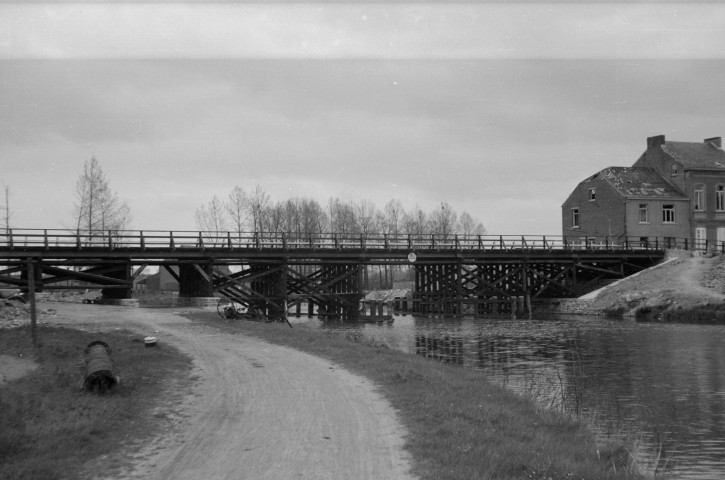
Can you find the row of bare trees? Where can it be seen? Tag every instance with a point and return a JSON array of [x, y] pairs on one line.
[[254, 211]]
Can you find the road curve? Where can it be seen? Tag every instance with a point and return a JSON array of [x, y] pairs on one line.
[[258, 411]]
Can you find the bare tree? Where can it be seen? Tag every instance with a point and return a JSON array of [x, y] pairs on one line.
[[258, 201], [468, 225], [237, 207], [98, 209], [416, 222], [210, 219], [394, 215], [366, 215], [313, 219], [443, 221], [274, 218], [342, 217]]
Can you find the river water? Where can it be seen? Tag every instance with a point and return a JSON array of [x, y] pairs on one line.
[[664, 384]]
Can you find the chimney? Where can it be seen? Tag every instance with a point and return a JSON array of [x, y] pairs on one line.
[[717, 141], [655, 141]]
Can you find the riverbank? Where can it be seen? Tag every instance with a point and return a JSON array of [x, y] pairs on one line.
[[684, 288], [272, 408], [459, 425]]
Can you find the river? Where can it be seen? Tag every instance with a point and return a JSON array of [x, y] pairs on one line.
[[663, 384]]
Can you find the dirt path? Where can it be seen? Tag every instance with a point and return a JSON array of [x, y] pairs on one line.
[[258, 411]]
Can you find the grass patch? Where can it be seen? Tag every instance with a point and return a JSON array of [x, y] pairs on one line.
[[50, 426], [460, 426], [703, 314]]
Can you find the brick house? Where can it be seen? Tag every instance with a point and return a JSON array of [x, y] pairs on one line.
[[674, 191]]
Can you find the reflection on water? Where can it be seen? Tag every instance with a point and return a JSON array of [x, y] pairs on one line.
[[667, 381]]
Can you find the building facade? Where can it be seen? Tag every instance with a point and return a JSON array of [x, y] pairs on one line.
[[674, 192]]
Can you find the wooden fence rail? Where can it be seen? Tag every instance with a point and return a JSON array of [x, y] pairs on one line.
[[47, 239]]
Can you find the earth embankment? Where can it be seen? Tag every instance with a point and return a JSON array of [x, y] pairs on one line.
[[679, 284]]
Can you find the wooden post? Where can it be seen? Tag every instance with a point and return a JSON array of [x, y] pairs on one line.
[[31, 297]]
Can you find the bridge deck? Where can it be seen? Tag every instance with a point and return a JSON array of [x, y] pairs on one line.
[[165, 247]]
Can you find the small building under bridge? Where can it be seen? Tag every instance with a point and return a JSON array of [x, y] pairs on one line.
[[275, 273]]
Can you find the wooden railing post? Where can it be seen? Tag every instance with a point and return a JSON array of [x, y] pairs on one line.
[[45, 239], [142, 240], [10, 238], [480, 243], [172, 245], [229, 239], [78, 239]]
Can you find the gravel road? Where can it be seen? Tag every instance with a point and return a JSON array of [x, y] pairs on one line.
[[258, 411]]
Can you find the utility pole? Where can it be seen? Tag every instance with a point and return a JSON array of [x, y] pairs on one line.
[[7, 210]]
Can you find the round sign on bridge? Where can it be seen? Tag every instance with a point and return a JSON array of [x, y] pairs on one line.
[[412, 257]]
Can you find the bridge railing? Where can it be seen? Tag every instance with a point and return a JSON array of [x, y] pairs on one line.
[[48, 239]]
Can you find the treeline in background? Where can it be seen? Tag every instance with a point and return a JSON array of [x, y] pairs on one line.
[[255, 211]]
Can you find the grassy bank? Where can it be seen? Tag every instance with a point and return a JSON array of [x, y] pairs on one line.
[[50, 426], [460, 426]]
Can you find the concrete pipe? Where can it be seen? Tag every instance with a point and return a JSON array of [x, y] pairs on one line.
[[99, 368]]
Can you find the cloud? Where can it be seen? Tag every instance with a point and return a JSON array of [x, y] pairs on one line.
[[355, 30]]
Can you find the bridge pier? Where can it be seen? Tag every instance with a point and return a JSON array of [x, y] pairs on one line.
[[340, 290], [194, 281], [120, 272]]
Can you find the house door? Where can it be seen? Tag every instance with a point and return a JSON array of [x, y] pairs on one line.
[[721, 239], [700, 238]]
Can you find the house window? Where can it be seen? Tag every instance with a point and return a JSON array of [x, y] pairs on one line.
[[575, 218], [699, 198], [720, 198], [592, 194], [674, 169], [643, 215], [668, 213]]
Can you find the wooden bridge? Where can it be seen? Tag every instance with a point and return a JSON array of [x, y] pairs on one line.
[[276, 272]]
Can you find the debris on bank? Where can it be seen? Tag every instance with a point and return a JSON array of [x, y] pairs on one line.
[[15, 314]]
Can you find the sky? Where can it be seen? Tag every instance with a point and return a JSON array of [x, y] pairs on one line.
[[498, 109]]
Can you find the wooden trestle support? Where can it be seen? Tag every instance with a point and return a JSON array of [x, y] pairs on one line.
[[114, 278], [496, 288], [331, 291]]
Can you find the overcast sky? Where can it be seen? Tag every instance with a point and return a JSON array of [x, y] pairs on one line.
[[498, 109]]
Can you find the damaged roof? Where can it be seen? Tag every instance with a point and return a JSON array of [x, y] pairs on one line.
[[637, 182], [695, 155]]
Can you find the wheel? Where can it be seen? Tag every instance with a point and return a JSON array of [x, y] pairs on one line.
[[221, 310]]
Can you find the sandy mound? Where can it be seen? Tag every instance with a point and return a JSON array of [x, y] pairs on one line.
[[681, 283]]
